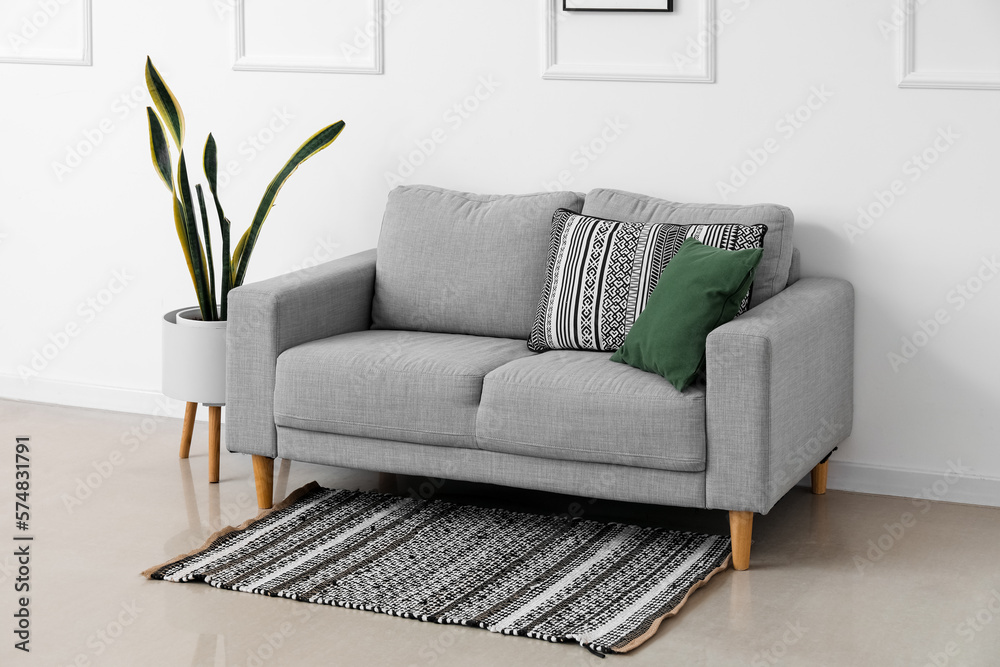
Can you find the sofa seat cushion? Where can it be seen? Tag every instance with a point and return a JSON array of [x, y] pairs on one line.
[[578, 405], [395, 385]]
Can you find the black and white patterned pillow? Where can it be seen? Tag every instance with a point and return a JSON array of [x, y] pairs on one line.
[[601, 273]]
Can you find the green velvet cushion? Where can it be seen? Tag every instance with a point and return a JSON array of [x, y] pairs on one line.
[[700, 289]]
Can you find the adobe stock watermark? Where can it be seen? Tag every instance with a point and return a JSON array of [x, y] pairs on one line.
[[433, 649], [34, 24], [454, 118], [587, 153], [825, 438], [431, 485], [957, 298], [107, 635], [255, 144], [776, 652], [695, 47], [786, 127], [594, 491], [231, 513], [103, 469], [895, 532], [87, 311], [325, 250], [901, 11], [8, 569], [76, 152], [364, 37], [968, 630], [912, 170], [270, 643], [224, 8]]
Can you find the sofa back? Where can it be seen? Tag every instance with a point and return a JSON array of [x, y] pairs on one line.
[[455, 262], [773, 271]]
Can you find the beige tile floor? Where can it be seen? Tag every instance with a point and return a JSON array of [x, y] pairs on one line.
[[106, 504]]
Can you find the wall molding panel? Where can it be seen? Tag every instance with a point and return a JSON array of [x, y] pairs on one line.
[[333, 62], [911, 77], [86, 54], [665, 72]]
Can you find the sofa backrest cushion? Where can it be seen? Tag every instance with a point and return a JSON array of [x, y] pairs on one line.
[[772, 273], [455, 262]]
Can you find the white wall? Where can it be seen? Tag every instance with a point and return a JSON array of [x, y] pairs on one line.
[[63, 239]]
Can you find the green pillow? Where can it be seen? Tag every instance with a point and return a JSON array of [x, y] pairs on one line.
[[700, 289]]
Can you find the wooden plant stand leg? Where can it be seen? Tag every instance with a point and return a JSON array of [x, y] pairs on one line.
[[740, 530], [189, 414], [819, 478], [263, 477], [214, 440]]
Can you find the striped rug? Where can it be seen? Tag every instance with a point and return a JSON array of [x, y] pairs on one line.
[[606, 586]]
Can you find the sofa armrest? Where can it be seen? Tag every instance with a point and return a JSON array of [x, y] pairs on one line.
[[268, 317], [780, 393]]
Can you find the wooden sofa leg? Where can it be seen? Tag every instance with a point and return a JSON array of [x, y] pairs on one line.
[[819, 478], [263, 477], [740, 530]]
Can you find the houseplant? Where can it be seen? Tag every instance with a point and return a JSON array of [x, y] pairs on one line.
[[194, 364]]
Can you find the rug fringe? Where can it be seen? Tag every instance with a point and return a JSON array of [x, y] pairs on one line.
[[673, 612], [292, 498]]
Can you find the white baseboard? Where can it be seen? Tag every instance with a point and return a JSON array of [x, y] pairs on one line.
[[947, 485], [98, 397], [952, 485]]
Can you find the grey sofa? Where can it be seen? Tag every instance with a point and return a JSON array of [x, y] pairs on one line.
[[413, 359]]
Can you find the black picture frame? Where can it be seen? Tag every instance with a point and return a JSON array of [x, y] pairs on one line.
[[670, 8]]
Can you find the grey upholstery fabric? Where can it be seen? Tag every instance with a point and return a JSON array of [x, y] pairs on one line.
[[772, 273], [779, 393], [795, 270], [779, 396], [396, 385], [455, 262], [579, 406], [268, 317], [581, 479]]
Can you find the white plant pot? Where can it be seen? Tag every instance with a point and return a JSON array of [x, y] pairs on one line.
[[194, 358]]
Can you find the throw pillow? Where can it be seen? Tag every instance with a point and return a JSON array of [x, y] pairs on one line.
[[601, 272], [773, 272], [700, 289]]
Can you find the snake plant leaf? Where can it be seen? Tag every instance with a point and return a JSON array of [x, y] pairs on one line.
[[208, 250], [159, 149], [227, 262], [238, 254], [165, 102], [182, 235], [313, 145], [195, 250], [211, 163]]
